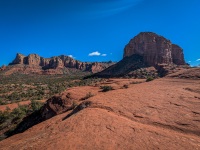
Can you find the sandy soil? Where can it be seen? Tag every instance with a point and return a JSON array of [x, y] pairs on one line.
[[162, 114]]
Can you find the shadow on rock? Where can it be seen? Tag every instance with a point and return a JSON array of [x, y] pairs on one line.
[[80, 107], [54, 106]]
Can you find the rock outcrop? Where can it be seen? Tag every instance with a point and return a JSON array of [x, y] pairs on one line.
[[123, 67], [177, 55], [19, 59], [147, 49], [3, 68], [56, 105], [155, 49], [53, 106], [33, 63]]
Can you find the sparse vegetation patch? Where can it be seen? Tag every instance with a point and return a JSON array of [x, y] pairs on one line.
[[149, 79], [16, 88], [106, 88], [136, 82], [10, 119]]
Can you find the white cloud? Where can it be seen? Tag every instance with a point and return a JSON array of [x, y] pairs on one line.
[[97, 54], [94, 54], [198, 59], [71, 56], [189, 61], [104, 55]]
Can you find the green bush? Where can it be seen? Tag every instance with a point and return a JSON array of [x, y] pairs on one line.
[[149, 79], [106, 88], [35, 105], [2, 102], [10, 119], [4, 115], [18, 87], [20, 112]]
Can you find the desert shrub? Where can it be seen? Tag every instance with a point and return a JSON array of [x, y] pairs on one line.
[[20, 112], [106, 88], [4, 115], [135, 82], [150, 78], [14, 96], [88, 95], [35, 105], [15, 88], [2, 102], [9, 120]]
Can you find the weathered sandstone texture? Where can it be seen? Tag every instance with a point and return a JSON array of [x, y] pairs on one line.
[[155, 49], [59, 62]]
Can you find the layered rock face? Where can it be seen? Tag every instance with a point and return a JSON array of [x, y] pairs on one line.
[[3, 68], [155, 49], [19, 59], [177, 55], [59, 62], [32, 59], [145, 50]]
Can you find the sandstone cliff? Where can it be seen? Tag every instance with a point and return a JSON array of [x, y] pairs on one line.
[[147, 49], [177, 55], [155, 49], [19, 59], [33, 63]]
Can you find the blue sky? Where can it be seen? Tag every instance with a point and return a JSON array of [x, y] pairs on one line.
[[94, 30]]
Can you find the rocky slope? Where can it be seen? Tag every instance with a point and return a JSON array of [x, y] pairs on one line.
[[123, 67], [33, 63], [147, 49], [142, 116], [191, 73]]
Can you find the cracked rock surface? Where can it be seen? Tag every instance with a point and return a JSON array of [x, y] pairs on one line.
[[161, 114]]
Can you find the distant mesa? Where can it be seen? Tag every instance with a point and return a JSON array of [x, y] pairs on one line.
[[62, 64], [147, 49]]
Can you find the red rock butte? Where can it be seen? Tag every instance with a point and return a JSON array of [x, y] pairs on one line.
[[155, 49], [147, 49]]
